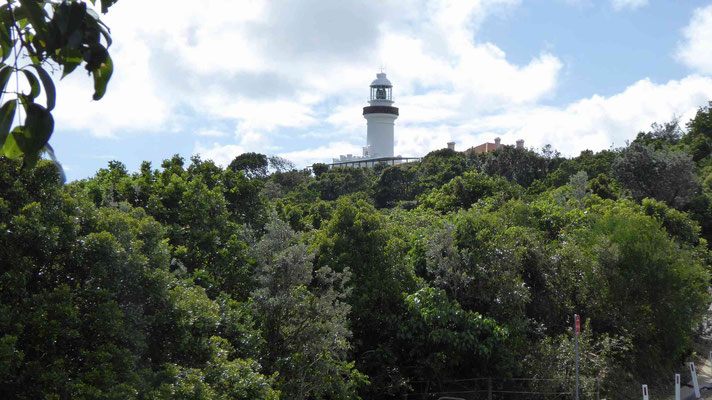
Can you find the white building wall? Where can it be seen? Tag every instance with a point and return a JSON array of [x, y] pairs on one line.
[[379, 134]]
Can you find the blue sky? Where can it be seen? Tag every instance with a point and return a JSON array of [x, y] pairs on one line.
[[289, 78]]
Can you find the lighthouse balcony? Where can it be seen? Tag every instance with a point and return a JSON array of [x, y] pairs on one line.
[[380, 110]]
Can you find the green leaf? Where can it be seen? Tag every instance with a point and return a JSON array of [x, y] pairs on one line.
[[36, 14], [105, 4], [5, 73], [72, 59], [39, 125], [7, 115], [10, 148], [6, 42], [68, 18], [101, 77], [77, 14], [30, 160], [34, 84], [48, 84]]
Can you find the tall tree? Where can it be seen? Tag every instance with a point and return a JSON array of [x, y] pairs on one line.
[[304, 319], [665, 175], [253, 165]]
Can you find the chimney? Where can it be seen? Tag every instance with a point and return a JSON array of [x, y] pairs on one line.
[[496, 143], [520, 143], [451, 146]]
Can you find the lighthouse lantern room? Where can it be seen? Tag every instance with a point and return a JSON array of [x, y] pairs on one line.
[[381, 88]]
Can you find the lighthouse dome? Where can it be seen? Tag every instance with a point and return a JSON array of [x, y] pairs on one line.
[[381, 81]]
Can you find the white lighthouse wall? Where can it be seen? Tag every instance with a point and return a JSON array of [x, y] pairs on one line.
[[379, 136]]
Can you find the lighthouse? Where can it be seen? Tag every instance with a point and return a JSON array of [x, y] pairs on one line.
[[380, 116], [380, 121]]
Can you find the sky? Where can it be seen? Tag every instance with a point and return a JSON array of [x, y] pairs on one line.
[[290, 77]]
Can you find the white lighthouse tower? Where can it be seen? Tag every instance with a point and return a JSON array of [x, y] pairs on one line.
[[381, 117]]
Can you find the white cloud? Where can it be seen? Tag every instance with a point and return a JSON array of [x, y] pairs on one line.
[[273, 72], [221, 154], [268, 65], [696, 50], [630, 4], [594, 123], [132, 101]]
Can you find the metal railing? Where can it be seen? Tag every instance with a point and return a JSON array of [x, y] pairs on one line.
[[371, 162]]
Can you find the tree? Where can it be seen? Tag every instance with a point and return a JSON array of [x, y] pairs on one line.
[[552, 359], [517, 165], [253, 165], [70, 35], [670, 291], [605, 187], [465, 190], [303, 319], [337, 182], [442, 341], [592, 163], [90, 308], [699, 134], [438, 168], [202, 208], [319, 168], [395, 183], [660, 136], [279, 164], [358, 238], [579, 185], [665, 175]]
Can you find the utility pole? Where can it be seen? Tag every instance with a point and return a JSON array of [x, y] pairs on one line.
[[577, 331]]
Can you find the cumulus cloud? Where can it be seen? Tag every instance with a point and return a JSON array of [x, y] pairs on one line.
[[266, 65], [629, 4], [278, 76], [133, 100], [593, 123], [696, 50]]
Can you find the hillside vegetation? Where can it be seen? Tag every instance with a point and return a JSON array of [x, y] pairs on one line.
[[260, 281]]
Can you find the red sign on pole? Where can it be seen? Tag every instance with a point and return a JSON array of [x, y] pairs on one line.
[[578, 323]]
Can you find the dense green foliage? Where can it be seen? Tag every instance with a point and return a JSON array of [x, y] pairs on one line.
[[259, 281], [38, 37]]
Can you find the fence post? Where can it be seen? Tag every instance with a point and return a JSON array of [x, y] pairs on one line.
[[695, 385], [598, 390], [489, 388]]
